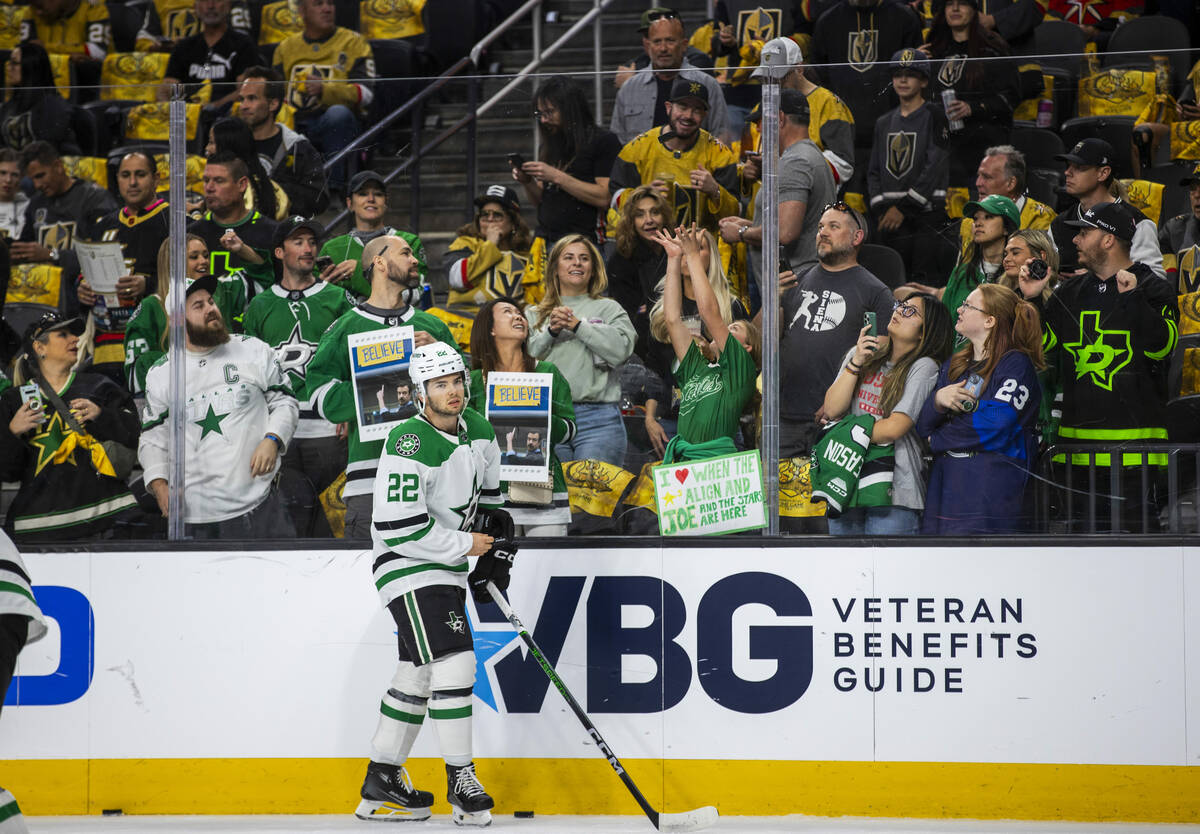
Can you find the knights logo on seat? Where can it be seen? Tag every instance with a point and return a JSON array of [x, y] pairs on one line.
[[901, 150], [758, 25], [863, 50], [504, 279], [178, 24], [952, 70]]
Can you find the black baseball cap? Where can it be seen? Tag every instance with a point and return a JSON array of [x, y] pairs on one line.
[[501, 194], [684, 88], [204, 282], [656, 13], [49, 322], [910, 60], [362, 178], [1114, 218], [793, 103], [1193, 177], [289, 226], [1091, 152]]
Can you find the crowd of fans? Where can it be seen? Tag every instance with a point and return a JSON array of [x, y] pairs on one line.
[[940, 328]]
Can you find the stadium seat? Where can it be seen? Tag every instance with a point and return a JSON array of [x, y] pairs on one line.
[[91, 137], [1039, 147], [1117, 91], [148, 122], [279, 20], [394, 59], [90, 168], [1116, 130], [125, 20], [1144, 37], [451, 29], [1044, 186], [1175, 199], [399, 20], [10, 25], [1062, 43], [132, 76], [884, 263], [64, 76], [1147, 197]]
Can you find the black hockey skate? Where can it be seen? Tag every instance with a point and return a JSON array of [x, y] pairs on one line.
[[388, 795], [469, 801]]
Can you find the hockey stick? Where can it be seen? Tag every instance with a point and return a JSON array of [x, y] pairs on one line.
[[686, 821]]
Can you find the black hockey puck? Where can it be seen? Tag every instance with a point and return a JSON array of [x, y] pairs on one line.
[[112, 812], [523, 815]]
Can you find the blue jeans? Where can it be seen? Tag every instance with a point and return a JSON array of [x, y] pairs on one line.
[[876, 521], [599, 435], [329, 132]]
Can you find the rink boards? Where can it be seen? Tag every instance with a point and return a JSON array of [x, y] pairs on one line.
[[988, 682]]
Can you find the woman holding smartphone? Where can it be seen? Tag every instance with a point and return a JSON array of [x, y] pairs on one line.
[[981, 418]]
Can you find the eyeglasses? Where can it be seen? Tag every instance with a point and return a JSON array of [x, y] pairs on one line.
[[845, 209], [973, 307], [906, 310], [492, 215], [545, 114]]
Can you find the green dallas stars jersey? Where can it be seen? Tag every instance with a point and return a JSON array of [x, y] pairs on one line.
[[328, 384], [292, 322], [429, 487]]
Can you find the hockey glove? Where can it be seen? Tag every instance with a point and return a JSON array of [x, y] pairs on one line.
[[492, 566]]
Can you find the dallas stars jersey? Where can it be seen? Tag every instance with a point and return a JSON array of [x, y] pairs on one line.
[[85, 30], [910, 161], [349, 247], [429, 486], [1117, 344], [343, 61], [63, 496], [480, 271], [146, 333], [646, 157], [292, 321], [16, 590], [331, 387], [237, 394], [257, 232]]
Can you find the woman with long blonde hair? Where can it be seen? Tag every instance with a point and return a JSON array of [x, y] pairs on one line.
[[981, 418], [638, 263], [587, 337]]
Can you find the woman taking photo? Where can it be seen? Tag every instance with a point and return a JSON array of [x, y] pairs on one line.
[[980, 419], [69, 489], [716, 376], [499, 342], [1022, 248], [587, 337], [638, 262], [569, 182], [891, 376], [662, 357]]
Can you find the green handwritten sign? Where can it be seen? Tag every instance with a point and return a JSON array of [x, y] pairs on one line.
[[710, 497]]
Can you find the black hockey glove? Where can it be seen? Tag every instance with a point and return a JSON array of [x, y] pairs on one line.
[[494, 565]]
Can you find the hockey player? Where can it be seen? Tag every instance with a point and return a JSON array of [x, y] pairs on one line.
[[389, 264], [21, 623], [907, 173], [437, 471], [290, 317], [241, 415]]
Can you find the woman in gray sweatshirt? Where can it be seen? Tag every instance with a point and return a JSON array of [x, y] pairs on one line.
[[587, 337]]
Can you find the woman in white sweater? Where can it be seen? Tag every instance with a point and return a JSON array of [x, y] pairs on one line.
[[587, 337]]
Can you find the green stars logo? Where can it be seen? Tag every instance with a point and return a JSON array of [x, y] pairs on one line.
[[1099, 353]]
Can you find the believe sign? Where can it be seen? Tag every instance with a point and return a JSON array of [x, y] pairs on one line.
[[708, 497]]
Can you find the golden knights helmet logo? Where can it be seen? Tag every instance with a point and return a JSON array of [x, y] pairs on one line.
[[687, 204], [504, 279], [758, 25], [18, 131], [863, 49], [901, 151], [59, 235], [1189, 284], [952, 70], [178, 24]]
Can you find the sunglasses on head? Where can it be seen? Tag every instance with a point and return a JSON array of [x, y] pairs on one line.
[[663, 15], [842, 207]]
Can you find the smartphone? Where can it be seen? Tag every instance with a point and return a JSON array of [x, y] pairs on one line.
[[869, 322], [515, 160], [323, 263], [974, 388], [30, 393]]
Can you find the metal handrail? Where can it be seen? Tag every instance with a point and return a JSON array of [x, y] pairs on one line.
[[469, 59], [422, 151]]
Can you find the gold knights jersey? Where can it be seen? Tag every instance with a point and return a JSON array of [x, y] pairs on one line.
[[84, 30], [386, 19], [343, 62]]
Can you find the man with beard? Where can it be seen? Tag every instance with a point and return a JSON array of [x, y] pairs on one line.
[[241, 415], [217, 53], [140, 226], [291, 317], [641, 101], [389, 264], [287, 156], [240, 241], [681, 155]]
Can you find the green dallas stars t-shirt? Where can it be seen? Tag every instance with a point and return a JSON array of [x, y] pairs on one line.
[[713, 396]]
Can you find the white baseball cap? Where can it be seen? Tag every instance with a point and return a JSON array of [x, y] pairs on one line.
[[779, 56]]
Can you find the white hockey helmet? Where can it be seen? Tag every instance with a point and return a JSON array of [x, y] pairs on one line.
[[434, 360]]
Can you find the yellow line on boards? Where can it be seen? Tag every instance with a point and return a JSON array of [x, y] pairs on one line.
[[1086, 793]]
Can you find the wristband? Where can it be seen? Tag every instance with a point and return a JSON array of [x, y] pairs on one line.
[[278, 442], [578, 322], [742, 232]]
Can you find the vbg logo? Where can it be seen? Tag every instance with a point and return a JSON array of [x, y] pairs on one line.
[[76, 656], [523, 685]]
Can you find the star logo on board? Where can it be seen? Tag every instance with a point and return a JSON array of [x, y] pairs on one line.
[[48, 441], [211, 423], [456, 623], [488, 644]]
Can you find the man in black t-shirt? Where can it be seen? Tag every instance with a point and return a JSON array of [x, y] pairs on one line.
[[218, 53], [287, 156]]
